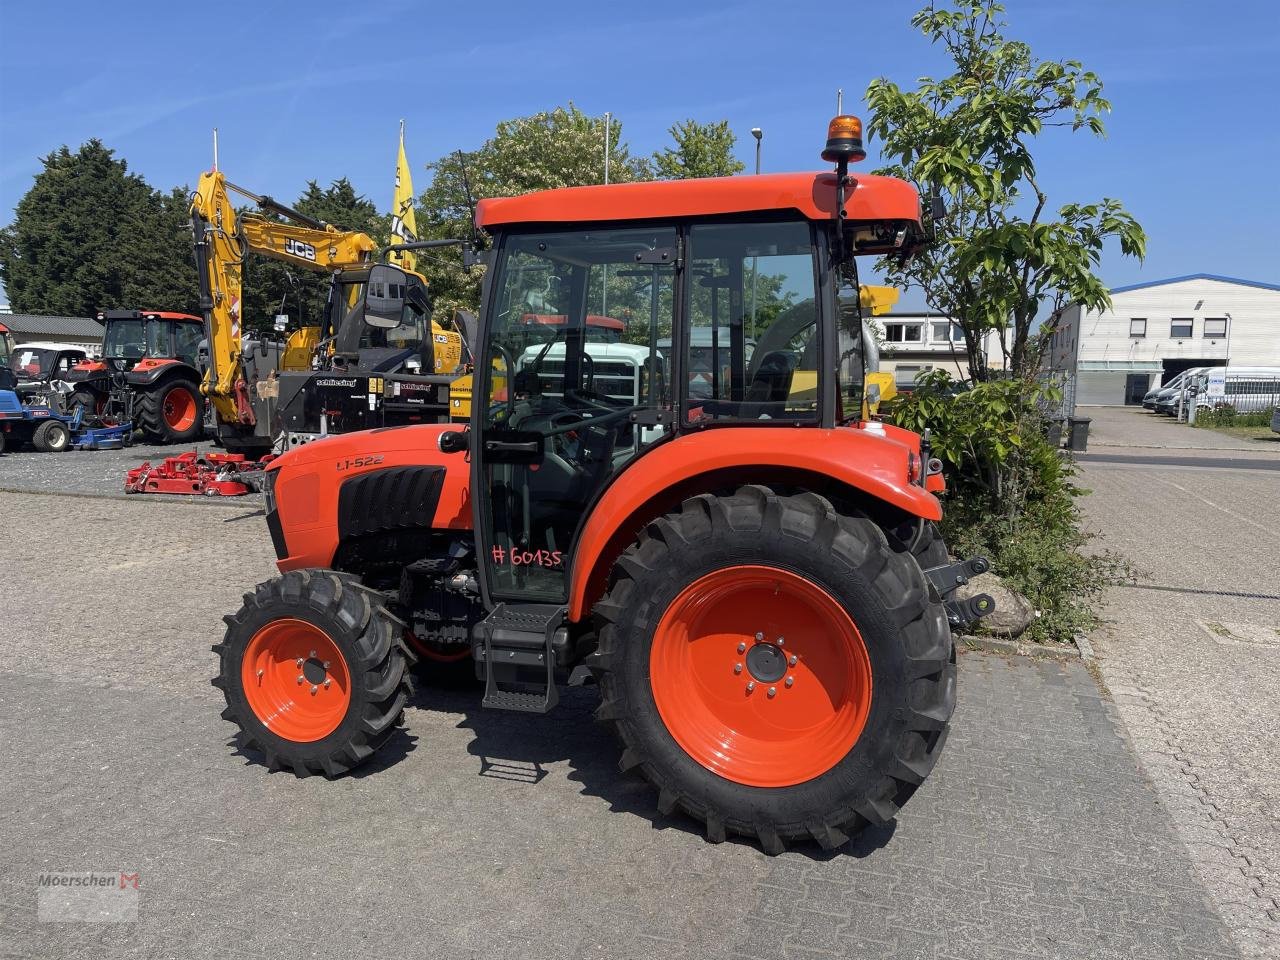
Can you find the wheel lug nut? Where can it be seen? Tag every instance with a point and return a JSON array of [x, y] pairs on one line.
[[737, 668], [751, 685], [313, 653], [326, 684], [773, 691], [790, 681], [794, 660], [298, 663], [326, 664], [781, 640], [313, 689], [259, 673], [742, 647], [300, 678]]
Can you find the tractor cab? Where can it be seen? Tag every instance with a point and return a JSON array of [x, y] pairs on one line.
[[7, 377], [741, 306], [132, 336]]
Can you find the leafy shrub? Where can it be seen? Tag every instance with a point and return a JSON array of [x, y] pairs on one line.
[[1225, 415], [1011, 495]]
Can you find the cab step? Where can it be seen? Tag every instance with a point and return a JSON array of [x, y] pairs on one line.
[[517, 645]]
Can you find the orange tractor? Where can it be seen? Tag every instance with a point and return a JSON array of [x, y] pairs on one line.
[[148, 374], [747, 567]]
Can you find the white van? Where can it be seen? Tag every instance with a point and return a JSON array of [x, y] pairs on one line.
[[1245, 389]]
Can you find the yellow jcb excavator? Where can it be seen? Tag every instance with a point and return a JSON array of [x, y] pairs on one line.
[[340, 375]]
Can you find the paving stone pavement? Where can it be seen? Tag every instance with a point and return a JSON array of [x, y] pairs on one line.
[[1192, 658], [484, 834]]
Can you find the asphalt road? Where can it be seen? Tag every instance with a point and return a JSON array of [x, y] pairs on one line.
[[485, 834], [1192, 651]]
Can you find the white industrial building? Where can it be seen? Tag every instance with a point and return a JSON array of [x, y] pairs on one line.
[[1155, 330], [916, 343]]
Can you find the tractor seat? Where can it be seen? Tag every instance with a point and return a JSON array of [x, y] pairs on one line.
[[772, 380]]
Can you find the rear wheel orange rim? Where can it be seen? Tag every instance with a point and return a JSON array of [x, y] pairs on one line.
[[179, 409], [438, 652], [296, 680], [761, 676]]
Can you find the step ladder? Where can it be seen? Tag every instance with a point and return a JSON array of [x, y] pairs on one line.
[[517, 644]]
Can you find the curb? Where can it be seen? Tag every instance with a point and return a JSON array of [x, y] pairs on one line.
[[1037, 651]]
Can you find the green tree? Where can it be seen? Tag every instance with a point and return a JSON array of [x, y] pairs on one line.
[[700, 150], [562, 147], [1003, 258], [272, 286], [89, 235]]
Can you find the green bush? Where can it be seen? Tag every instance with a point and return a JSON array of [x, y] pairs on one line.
[[1011, 495], [1225, 415]]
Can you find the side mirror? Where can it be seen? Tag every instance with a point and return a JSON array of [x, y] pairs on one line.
[[384, 296], [454, 441], [281, 322], [873, 394]]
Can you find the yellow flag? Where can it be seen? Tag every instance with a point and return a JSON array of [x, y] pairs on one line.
[[404, 224]]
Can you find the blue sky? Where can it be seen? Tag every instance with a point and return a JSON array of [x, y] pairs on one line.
[[299, 93]]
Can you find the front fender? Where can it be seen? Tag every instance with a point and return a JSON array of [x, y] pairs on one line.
[[866, 458]]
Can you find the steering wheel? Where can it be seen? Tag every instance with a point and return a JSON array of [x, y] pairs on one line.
[[581, 423]]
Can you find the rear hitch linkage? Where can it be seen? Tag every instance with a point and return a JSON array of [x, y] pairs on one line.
[[947, 579]]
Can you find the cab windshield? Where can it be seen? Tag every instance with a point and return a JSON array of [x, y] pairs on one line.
[[135, 339], [31, 363]]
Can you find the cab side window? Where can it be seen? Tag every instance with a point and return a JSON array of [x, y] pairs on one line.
[[751, 304], [187, 339]]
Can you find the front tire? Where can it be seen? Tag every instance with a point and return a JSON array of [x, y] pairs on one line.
[[343, 702], [845, 716], [51, 436]]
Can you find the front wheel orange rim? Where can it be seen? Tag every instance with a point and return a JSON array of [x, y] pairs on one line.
[[296, 680], [761, 676], [179, 409]]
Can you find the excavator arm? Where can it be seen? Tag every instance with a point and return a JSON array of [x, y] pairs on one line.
[[222, 238]]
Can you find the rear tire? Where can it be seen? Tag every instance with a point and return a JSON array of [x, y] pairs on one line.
[[929, 549], [343, 634], [171, 413], [51, 436], [864, 617], [86, 400]]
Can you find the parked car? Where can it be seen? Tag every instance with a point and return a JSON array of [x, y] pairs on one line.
[[1244, 389], [1166, 398]]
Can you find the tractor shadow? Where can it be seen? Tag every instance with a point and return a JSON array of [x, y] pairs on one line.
[[519, 747]]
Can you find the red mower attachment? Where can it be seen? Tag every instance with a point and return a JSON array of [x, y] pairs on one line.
[[213, 475]]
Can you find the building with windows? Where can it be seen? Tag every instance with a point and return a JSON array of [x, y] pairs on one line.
[[74, 331], [1155, 330], [916, 343]]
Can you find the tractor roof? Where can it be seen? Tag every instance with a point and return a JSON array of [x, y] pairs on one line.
[[812, 195], [139, 314]]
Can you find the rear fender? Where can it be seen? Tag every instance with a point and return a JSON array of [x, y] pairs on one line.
[[150, 371], [867, 461]]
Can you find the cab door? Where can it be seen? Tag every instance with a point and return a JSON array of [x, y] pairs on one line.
[[571, 315]]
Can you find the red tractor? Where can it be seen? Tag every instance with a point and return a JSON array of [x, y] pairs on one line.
[[148, 373], [747, 568]]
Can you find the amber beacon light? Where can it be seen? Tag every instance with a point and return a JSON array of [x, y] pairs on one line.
[[844, 140]]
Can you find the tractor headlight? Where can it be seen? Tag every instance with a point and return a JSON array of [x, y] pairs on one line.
[[269, 490]]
